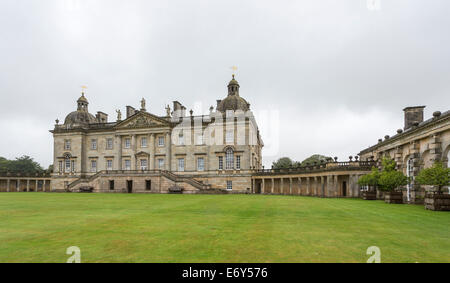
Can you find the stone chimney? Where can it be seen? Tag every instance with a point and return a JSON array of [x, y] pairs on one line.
[[101, 117], [130, 111], [178, 110], [413, 114]]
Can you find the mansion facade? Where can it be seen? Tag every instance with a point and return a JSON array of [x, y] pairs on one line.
[[148, 153], [219, 152]]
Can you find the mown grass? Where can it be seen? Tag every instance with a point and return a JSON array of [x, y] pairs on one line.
[[39, 227]]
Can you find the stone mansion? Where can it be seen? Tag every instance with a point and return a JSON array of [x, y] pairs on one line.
[[215, 153], [148, 153]]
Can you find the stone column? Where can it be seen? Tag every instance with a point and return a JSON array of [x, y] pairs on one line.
[[18, 185], [308, 186], [263, 189], [8, 184], [290, 186], [329, 187], [322, 186], [168, 160], [281, 186], [299, 185], [43, 185], [316, 186], [119, 152], [336, 186], [37, 185], [28, 185], [152, 152], [253, 186], [133, 153], [273, 185]]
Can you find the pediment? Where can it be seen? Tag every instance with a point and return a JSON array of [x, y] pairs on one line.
[[142, 120]]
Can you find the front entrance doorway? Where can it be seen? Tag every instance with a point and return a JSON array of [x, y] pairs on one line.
[[130, 186], [344, 189]]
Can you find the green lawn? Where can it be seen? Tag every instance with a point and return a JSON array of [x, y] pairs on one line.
[[39, 227]]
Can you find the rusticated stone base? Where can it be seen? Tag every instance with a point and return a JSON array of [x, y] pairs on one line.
[[393, 197], [437, 202], [369, 195]]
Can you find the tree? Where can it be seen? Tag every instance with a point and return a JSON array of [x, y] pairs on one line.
[[390, 179], [314, 158], [437, 175], [283, 162], [24, 164], [372, 179]]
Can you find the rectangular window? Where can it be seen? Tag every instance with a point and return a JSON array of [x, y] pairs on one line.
[[220, 162], [229, 137], [238, 162], [73, 165], [127, 143], [160, 141], [181, 164], [109, 143], [60, 166], [67, 144], [93, 165], [143, 164], [143, 142], [111, 185], [109, 164], [93, 144], [229, 185], [161, 163], [127, 164], [67, 165], [200, 164], [148, 185]]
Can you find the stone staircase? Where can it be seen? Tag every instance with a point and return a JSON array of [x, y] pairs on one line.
[[177, 179]]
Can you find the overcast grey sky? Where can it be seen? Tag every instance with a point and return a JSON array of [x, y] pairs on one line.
[[337, 73]]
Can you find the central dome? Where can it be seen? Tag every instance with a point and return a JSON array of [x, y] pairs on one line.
[[79, 117], [233, 101], [82, 115]]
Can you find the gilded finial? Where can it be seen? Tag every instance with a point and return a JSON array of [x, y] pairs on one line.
[[234, 69], [83, 89]]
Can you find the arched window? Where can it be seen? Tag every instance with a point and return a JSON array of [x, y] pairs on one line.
[[229, 159], [448, 160], [409, 173]]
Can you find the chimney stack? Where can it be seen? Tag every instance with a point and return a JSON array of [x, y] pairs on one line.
[[413, 114], [130, 111]]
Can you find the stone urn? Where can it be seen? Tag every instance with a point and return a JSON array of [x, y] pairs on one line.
[[393, 197], [437, 202]]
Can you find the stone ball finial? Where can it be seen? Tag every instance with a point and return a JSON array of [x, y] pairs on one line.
[[399, 131], [356, 157], [57, 121], [350, 158], [386, 137], [437, 114], [416, 124], [380, 140], [335, 159], [191, 112]]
